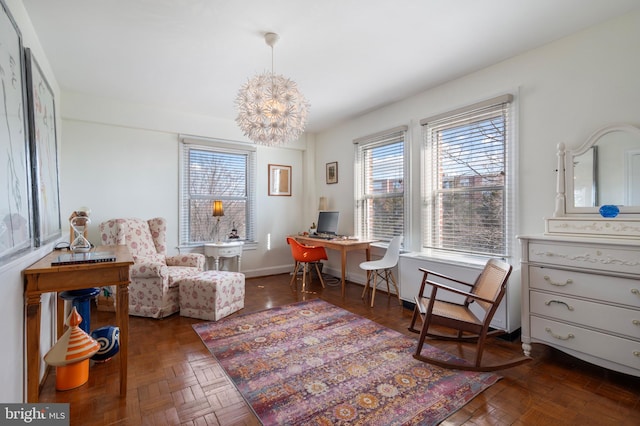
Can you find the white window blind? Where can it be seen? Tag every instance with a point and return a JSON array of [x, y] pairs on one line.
[[216, 170], [466, 182], [380, 174]]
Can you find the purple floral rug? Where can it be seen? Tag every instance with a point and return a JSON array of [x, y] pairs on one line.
[[315, 363]]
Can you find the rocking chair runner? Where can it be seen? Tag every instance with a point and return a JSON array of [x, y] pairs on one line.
[[486, 292]]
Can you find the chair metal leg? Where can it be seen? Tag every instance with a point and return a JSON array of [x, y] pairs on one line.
[[386, 279]]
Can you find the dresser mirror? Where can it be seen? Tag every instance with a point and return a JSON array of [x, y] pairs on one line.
[[604, 170]]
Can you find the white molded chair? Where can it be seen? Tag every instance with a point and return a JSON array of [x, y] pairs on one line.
[[383, 268]]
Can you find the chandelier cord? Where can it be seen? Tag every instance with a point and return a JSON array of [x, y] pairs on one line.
[[273, 71]]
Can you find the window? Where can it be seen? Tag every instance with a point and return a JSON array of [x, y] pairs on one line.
[[466, 176], [216, 170], [380, 175]]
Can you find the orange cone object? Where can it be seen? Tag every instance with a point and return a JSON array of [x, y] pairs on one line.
[[70, 355]]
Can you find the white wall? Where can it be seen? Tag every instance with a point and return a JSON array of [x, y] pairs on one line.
[[12, 312], [122, 160], [564, 91]]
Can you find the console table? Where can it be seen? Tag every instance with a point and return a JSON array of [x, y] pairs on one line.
[[41, 277], [227, 249]]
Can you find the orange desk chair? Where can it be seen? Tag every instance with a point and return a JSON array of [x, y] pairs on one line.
[[304, 255]]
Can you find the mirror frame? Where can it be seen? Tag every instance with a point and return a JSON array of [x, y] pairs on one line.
[[565, 190]]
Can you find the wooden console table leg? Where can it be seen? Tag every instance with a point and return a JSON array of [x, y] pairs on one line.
[[33, 347], [122, 310], [59, 316]]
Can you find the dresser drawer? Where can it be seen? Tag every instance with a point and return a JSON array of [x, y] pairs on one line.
[[588, 256], [232, 251], [590, 314], [610, 348], [625, 291]]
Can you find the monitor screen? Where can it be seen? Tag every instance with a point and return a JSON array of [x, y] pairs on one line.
[[328, 223]]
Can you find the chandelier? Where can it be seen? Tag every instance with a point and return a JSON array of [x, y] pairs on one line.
[[271, 109]]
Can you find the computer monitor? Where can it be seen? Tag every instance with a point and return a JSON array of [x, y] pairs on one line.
[[328, 223]]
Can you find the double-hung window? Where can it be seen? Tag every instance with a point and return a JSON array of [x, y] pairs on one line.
[[216, 170], [467, 179], [380, 175]]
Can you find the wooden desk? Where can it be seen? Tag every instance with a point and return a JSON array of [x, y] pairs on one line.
[[343, 246], [41, 277]]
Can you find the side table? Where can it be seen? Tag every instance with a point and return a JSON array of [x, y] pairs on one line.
[[42, 277], [227, 249]]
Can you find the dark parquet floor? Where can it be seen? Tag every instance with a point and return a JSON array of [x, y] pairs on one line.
[[174, 380]]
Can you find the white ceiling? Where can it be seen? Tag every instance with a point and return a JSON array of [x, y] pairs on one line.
[[347, 56]]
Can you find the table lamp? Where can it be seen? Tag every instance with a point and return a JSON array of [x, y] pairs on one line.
[[218, 212]]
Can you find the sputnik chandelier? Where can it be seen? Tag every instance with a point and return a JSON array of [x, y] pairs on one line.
[[271, 109]]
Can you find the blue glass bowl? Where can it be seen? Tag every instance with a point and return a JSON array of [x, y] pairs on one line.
[[609, 210], [109, 339]]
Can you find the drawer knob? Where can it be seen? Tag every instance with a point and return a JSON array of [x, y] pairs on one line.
[[557, 284], [636, 353], [560, 302], [635, 291], [635, 322], [557, 336]]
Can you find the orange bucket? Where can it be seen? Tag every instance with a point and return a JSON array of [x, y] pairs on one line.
[[71, 376]]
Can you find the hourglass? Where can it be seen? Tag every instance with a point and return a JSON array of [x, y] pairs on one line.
[[79, 222]]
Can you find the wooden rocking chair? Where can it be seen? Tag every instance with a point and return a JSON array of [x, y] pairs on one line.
[[486, 292]]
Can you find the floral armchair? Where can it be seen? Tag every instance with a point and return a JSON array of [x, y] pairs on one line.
[[153, 291]]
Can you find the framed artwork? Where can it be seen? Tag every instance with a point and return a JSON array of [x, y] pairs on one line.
[[15, 196], [44, 154], [332, 172], [279, 180]]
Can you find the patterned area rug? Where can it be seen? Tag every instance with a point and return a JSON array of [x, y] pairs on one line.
[[314, 363]]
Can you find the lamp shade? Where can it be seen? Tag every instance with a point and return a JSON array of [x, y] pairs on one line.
[[323, 203], [218, 210]]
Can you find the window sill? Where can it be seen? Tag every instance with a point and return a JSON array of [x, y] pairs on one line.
[[449, 258]]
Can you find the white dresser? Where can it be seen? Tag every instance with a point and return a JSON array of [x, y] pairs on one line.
[[581, 295]]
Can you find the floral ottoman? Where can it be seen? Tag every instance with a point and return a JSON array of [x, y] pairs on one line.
[[211, 295]]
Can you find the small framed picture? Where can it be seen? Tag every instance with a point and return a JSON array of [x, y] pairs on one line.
[[332, 172], [279, 180]]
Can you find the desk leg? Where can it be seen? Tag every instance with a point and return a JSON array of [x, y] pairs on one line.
[[122, 319], [344, 270], [217, 263], [33, 347]]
